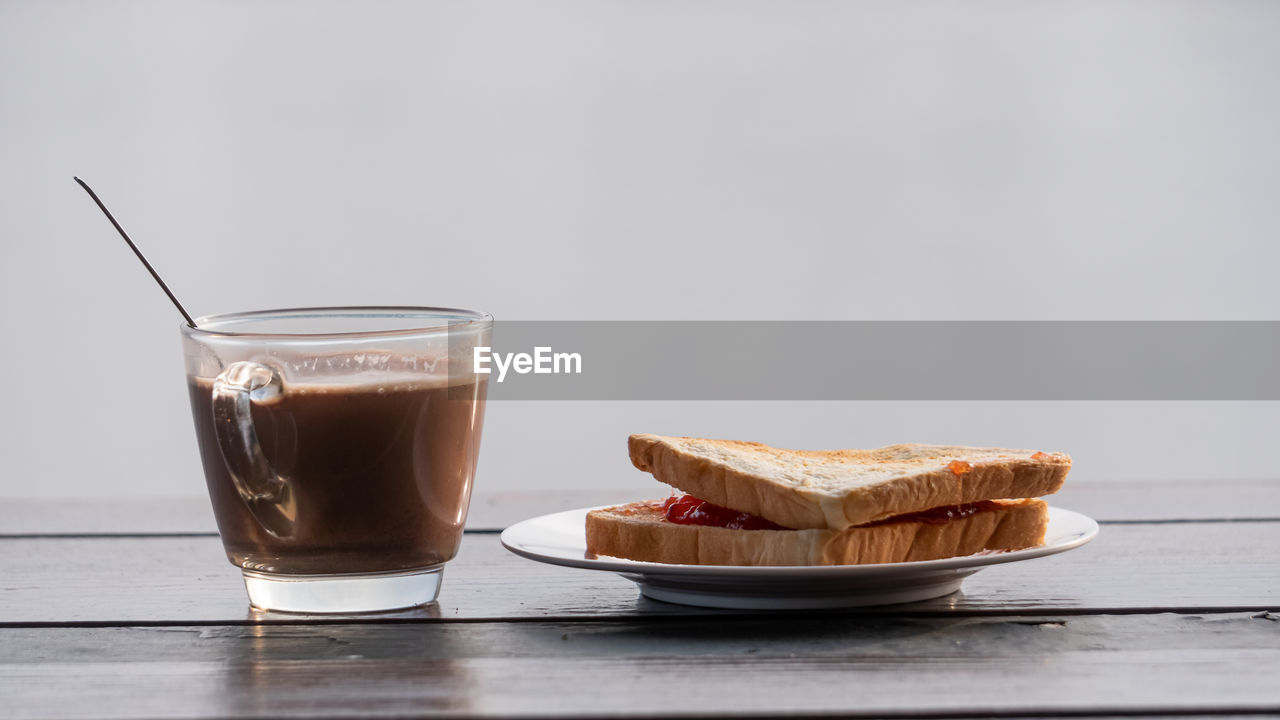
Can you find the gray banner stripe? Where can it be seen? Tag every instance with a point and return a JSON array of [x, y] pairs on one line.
[[822, 360]]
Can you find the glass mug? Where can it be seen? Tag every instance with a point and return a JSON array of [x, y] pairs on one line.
[[339, 446]]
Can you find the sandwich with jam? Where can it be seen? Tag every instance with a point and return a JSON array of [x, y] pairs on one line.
[[743, 503]]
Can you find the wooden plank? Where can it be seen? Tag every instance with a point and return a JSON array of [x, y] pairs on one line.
[[1107, 502], [1182, 566], [815, 665], [114, 516], [1165, 501]]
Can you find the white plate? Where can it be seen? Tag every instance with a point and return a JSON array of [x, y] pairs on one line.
[[560, 539]]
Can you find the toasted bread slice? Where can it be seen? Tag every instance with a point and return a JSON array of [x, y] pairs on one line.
[[640, 531], [804, 489]]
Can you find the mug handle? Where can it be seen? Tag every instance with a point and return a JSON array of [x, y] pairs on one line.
[[266, 494]]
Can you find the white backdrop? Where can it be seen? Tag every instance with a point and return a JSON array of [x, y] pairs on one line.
[[629, 160]]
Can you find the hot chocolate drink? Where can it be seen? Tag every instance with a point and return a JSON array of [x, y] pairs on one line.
[[372, 478]]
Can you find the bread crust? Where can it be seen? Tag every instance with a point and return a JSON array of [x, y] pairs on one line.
[[836, 489], [640, 531]]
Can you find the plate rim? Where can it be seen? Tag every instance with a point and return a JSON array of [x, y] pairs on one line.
[[638, 568]]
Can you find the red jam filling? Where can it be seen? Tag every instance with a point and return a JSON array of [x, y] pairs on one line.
[[689, 510], [940, 515]]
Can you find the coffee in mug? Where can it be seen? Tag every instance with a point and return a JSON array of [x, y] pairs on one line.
[[339, 447]]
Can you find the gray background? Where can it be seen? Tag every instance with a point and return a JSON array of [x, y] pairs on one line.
[[633, 160]]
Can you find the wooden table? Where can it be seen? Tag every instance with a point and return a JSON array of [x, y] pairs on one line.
[[130, 609]]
